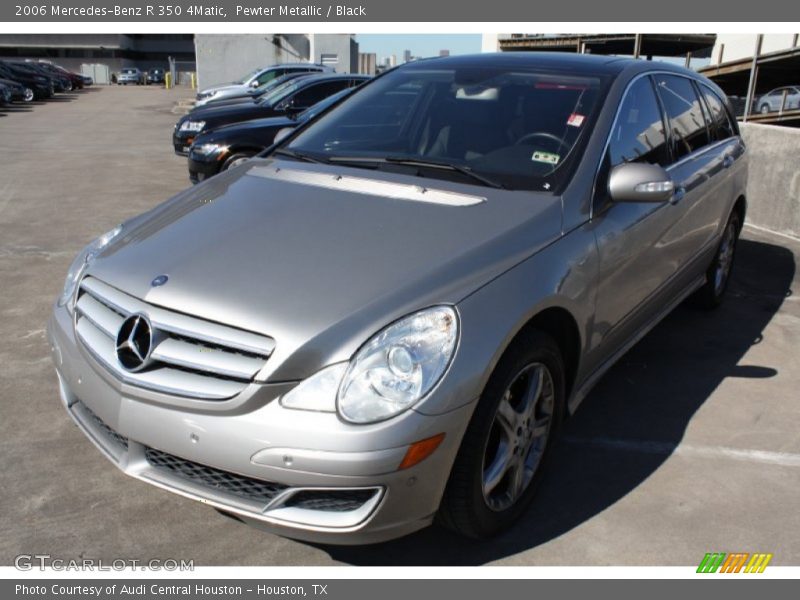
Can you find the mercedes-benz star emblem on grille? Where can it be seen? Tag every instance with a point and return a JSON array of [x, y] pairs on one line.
[[160, 280], [134, 343]]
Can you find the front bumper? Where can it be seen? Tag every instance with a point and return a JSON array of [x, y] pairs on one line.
[[182, 141], [328, 481], [202, 170]]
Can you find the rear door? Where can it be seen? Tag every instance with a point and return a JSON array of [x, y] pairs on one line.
[[701, 170]]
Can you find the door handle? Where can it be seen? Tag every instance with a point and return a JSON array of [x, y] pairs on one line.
[[727, 162], [678, 194]]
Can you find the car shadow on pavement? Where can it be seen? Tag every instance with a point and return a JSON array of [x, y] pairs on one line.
[[644, 404]]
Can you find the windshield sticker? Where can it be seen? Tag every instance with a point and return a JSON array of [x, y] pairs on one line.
[[545, 157], [575, 120]]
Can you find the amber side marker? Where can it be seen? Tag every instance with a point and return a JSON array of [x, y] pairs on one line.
[[419, 451]]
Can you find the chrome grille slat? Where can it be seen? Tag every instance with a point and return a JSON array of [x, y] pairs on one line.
[[179, 324], [164, 379], [103, 317], [203, 358], [191, 357]]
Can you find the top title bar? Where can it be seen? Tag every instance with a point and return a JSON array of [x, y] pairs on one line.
[[626, 11]]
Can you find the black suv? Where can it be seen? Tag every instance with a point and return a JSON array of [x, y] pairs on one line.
[[293, 96]]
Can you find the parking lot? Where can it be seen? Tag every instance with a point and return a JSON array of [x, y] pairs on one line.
[[689, 445]]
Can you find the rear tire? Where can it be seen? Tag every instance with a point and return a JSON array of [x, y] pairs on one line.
[[30, 96], [502, 457], [718, 276]]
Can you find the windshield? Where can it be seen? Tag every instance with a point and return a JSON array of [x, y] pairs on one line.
[[279, 93], [517, 129], [322, 105], [248, 77]]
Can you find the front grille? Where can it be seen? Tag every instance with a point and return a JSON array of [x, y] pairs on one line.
[[115, 437], [330, 500], [191, 357], [223, 481]]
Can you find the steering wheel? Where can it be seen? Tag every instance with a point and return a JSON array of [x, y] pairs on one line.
[[543, 135]]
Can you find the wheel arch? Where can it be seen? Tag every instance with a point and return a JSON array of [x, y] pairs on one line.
[[740, 207]]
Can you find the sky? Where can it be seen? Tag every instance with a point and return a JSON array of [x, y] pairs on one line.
[[421, 45]]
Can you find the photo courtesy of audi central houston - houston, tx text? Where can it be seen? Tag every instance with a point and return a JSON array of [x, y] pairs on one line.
[[376, 299]]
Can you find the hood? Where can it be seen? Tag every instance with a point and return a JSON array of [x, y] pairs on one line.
[[255, 129], [12, 84], [219, 115], [320, 257], [224, 101], [226, 87]]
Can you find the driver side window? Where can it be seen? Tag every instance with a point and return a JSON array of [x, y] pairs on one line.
[[638, 134]]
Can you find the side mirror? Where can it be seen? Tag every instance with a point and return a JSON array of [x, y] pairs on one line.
[[254, 83], [282, 134], [640, 182], [294, 110]]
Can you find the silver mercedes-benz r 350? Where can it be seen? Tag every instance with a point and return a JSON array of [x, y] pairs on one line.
[[383, 319]]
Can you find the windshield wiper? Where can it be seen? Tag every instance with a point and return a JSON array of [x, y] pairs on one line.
[[419, 162], [464, 170], [299, 155]]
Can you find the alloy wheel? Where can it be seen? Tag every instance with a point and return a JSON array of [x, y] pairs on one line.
[[725, 258], [518, 437]]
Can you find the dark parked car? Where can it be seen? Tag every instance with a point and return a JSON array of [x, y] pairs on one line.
[[61, 83], [294, 96], [56, 71], [5, 94], [17, 91], [40, 87], [223, 148], [253, 94], [155, 76]]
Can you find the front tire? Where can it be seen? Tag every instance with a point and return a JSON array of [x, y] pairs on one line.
[[500, 462], [710, 296], [764, 109], [29, 96], [236, 159]]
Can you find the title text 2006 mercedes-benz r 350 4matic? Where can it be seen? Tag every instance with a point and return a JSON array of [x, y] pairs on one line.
[[383, 320]]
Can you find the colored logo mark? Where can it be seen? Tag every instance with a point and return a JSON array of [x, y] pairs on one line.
[[735, 562]]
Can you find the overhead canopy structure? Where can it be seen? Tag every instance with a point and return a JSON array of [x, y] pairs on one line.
[[646, 44], [767, 72]]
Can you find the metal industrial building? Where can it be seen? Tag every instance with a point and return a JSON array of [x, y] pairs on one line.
[[113, 50]]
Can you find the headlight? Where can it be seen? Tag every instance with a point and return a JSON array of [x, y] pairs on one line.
[[193, 125], [398, 366], [209, 149], [318, 392], [395, 369], [84, 258]]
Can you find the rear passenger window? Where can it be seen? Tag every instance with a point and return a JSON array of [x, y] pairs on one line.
[[638, 134], [722, 125], [686, 122]]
